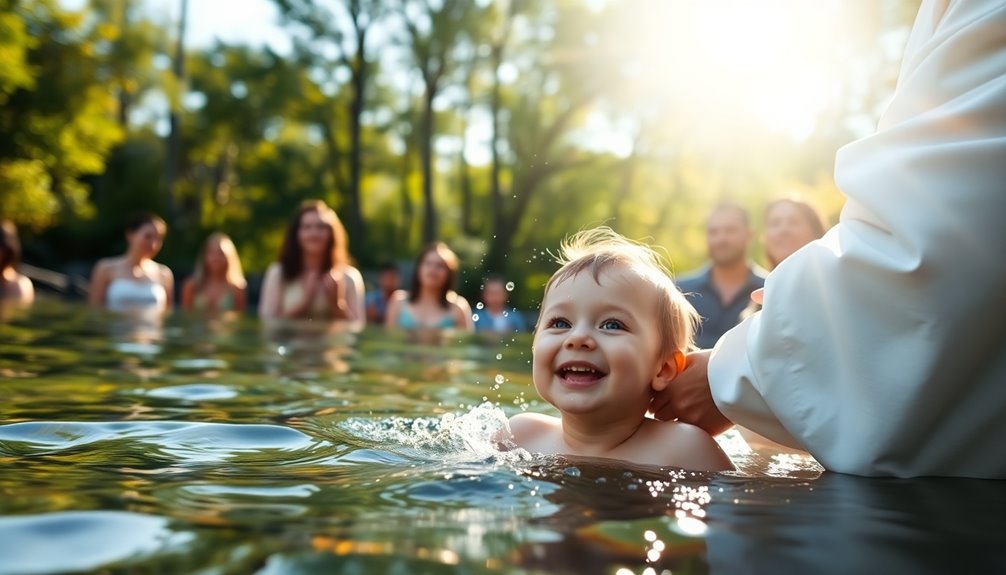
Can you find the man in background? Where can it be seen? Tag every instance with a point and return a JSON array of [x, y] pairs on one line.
[[722, 290]]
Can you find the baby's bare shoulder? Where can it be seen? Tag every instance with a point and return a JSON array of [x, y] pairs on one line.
[[532, 428], [687, 446]]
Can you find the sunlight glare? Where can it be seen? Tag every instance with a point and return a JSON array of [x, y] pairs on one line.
[[739, 62]]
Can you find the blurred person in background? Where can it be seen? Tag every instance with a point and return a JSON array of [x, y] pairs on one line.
[[789, 225], [218, 283], [388, 280], [721, 291], [313, 278], [134, 281], [431, 302], [14, 286], [496, 316]]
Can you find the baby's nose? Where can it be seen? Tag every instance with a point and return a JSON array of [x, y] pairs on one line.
[[579, 337]]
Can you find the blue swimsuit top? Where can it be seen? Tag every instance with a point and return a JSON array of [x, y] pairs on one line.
[[407, 321]]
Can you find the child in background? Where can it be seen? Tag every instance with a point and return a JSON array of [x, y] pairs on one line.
[[496, 317], [388, 281], [614, 330]]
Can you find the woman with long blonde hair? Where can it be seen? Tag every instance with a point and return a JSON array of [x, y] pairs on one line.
[[218, 284]]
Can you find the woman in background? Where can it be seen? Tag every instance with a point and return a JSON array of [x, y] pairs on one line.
[[14, 287], [431, 302], [313, 278], [789, 225], [218, 284], [134, 281]]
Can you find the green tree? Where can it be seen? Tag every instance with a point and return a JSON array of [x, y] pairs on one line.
[[57, 120], [337, 42], [434, 33]]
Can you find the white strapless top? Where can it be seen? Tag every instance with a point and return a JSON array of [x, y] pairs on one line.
[[128, 294]]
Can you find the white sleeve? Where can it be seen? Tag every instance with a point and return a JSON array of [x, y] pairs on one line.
[[881, 348]]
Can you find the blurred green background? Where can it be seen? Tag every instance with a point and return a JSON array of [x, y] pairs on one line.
[[498, 127]]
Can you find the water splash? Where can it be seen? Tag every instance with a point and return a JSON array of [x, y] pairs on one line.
[[474, 436]]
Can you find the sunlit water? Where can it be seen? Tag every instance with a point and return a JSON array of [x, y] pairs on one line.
[[224, 447]]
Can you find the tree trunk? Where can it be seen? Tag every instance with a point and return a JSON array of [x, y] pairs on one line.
[[494, 261], [426, 158], [408, 209], [355, 226], [467, 202], [173, 156]]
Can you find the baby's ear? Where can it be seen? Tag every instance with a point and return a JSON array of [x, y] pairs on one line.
[[670, 366]]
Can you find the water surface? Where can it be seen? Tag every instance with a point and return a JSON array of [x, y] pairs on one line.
[[225, 447]]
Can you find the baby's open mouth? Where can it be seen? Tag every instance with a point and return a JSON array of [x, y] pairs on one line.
[[579, 372]]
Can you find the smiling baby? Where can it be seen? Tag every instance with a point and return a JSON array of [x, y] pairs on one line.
[[613, 330]]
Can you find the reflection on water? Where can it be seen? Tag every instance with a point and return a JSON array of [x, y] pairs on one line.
[[233, 447]]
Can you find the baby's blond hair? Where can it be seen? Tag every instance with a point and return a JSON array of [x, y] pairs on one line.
[[599, 248]]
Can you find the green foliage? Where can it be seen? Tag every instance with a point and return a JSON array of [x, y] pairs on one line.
[[386, 110], [56, 124]]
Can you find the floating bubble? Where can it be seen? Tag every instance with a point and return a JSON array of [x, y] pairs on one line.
[[509, 286], [500, 379], [499, 356], [475, 317], [479, 305]]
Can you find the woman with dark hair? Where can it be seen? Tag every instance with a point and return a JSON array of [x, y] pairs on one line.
[[431, 302], [789, 225], [14, 287], [134, 281], [217, 285], [313, 278]]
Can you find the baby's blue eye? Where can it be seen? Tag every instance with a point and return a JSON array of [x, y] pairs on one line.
[[559, 323], [612, 324]]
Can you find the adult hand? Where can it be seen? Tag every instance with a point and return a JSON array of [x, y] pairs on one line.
[[688, 399], [334, 287], [758, 296]]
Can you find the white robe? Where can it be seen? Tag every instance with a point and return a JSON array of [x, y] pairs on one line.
[[881, 348]]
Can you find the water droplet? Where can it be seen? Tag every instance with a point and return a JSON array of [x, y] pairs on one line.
[[479, 305], [572, 472], [475, 317], [500, 379], [499, 356], [509, 286]]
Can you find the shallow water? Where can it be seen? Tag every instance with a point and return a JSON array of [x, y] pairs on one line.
[[223, 447]]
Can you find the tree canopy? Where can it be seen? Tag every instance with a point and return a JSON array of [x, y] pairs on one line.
[[499, 127]]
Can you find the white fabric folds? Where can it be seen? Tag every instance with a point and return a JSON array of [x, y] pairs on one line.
[[881, 348]]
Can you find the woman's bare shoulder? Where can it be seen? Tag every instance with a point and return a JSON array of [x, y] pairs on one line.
[[353, 274], [105, 265]]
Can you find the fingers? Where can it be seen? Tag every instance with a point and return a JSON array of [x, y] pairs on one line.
[[758, 296]]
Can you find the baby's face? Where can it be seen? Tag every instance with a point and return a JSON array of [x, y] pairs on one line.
[[597, 347]]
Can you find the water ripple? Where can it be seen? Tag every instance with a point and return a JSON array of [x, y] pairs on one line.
[[82, 540], [194, 392], [192, 442]]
